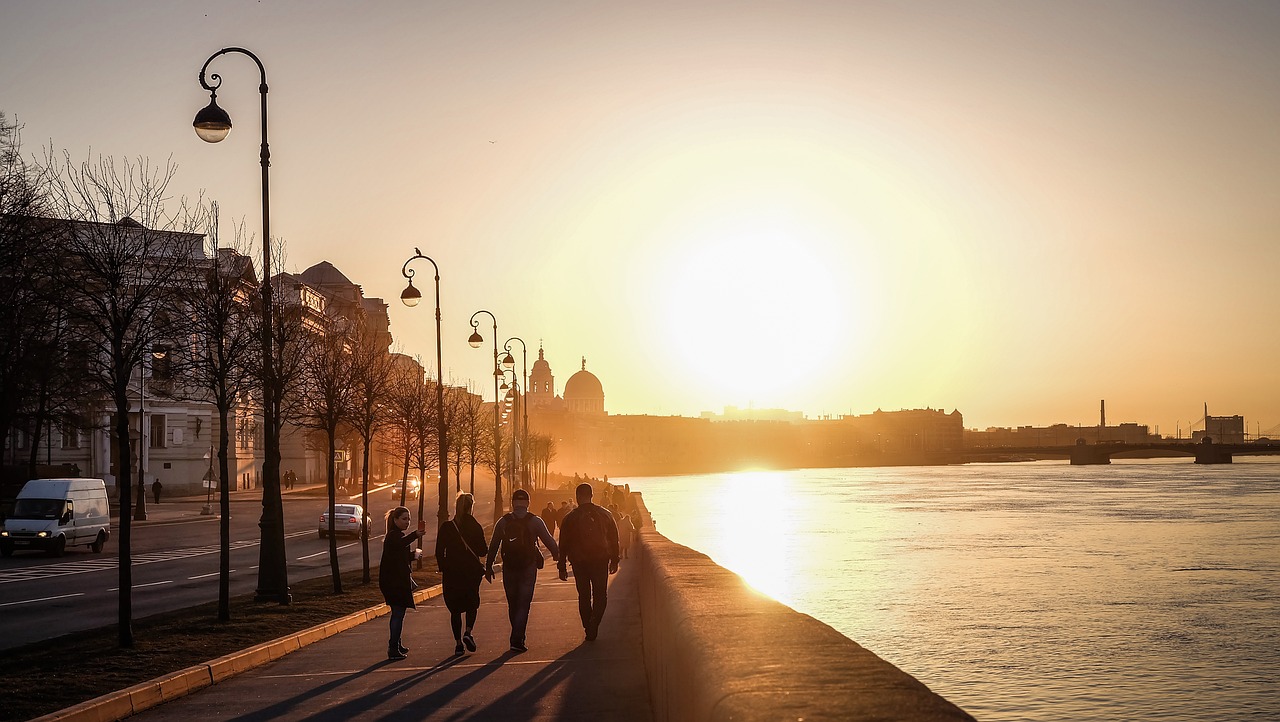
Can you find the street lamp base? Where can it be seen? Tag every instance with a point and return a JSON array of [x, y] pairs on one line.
[[207, 510], [140, 517]]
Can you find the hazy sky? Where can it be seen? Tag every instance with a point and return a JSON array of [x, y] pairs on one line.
[[1011, 208]]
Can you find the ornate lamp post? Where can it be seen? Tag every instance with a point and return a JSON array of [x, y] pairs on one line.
[[140, 504], [411, 296], [213, 124], [509, 363], [475, 340]]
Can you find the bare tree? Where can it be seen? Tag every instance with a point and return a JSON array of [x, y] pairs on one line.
[[324, 404], [372, 376], [469, 429], [542, 451], [27, 280], [407, 406], [128, 255], [219, 366]]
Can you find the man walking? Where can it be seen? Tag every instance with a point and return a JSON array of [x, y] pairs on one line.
[[589, 540], [517, 533]]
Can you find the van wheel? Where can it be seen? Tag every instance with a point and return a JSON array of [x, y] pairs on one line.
[[6, 550], [323, 535], [59, 546], [98, 543]]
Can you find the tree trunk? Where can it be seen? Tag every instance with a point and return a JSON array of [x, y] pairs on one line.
[[224, 509], [331, 433], [124, 483]]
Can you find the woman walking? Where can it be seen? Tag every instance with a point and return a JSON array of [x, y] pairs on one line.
[[460, 545], [393, 573]]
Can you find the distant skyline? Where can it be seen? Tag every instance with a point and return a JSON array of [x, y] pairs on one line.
[[1013, 209]]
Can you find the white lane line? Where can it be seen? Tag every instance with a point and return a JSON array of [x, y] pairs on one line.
[[326, 551], [139, 586], [42, 599], [210, 574]]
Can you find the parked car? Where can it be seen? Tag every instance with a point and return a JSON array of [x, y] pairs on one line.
[[346, 520], [53, 514]]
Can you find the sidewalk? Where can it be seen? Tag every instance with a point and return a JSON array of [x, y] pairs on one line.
[[185, 508], [347, 676]]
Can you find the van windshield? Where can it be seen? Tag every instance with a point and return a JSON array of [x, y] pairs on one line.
[[37, 509]]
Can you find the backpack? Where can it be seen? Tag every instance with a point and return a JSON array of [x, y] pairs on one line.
[[592, 542], [519, 546]]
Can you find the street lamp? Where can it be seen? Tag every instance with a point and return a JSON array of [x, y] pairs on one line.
[[140, 504], [509, 363], [475, 340], [410, 296], [213, 124]]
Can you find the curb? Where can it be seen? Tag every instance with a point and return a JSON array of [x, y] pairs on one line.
[[145, 695]]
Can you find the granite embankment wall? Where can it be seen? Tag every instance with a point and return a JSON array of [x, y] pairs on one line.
[[717, 650]]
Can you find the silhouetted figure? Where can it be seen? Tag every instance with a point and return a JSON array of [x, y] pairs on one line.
[[562, 512], [589, 540], [459, 546], [550, 518], [625, 531], [156, 488], [394, 574], [290, 479], [517, 533]]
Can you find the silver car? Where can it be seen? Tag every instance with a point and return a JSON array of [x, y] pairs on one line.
[[346, 520]]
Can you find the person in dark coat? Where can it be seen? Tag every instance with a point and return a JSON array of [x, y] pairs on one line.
[[156, 488], [460, 546], [589, 541], [394, 573]]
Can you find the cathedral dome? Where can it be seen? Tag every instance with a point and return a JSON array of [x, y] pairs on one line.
[[583, 392]]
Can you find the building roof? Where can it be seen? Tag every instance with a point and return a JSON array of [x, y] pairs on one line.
[[583, 385]]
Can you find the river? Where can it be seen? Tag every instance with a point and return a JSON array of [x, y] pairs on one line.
[[1147, 589]]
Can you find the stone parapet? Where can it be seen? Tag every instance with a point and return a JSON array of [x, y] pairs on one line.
[[717, 650]]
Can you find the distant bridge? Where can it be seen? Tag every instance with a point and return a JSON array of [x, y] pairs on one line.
[[1081, 453]]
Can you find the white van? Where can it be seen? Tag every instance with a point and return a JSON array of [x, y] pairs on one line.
[[53, 514]]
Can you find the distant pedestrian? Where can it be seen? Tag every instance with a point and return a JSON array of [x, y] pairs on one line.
[[156, 488], [459, 546], [517, 533], [589, 541], [394, 574], [550, 518], [562, 512], [625, 530]]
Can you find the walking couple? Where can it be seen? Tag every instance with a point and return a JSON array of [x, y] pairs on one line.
[[588, 541]]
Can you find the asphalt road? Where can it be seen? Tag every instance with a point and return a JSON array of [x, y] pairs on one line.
[[175, 563]]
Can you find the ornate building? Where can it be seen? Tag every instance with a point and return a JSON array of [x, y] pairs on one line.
[[584, 394]]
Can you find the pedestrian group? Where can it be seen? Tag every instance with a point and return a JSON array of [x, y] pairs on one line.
[[592, 540]]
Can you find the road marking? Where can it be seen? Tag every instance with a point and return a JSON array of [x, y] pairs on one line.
[[139, 586], [326, 551], [97, 565], [210, 574], [42, 599]]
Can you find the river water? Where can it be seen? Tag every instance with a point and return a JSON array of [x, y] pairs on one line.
[[1039, 591]]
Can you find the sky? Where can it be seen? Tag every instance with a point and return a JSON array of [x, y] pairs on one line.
[[1015, 209]]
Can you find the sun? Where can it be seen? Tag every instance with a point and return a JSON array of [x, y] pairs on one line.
[[755, 305]]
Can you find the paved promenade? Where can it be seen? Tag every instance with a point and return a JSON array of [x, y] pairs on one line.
[[347, 676]]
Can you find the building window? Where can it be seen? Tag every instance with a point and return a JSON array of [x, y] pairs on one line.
[[70, 437], [158, 433]]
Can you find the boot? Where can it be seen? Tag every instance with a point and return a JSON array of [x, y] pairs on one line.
[[393, 652]]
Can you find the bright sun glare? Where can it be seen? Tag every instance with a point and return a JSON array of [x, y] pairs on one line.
[[754, 305]]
